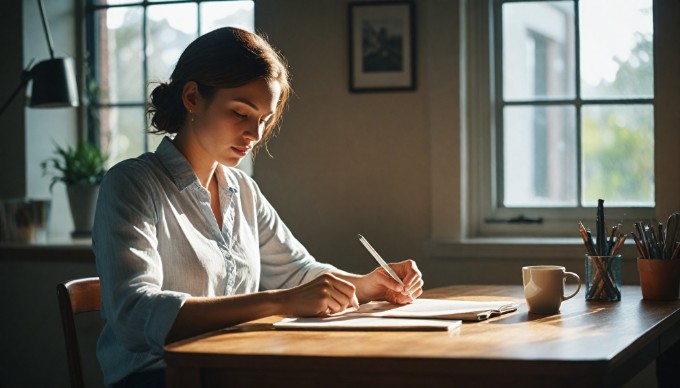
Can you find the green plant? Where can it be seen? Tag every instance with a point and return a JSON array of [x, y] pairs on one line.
[[82, 165]]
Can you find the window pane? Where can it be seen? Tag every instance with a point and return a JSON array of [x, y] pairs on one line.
[[539, 156], [170, 28], [120, 55], [618, 154], [239, 14], [122, 132], [115, 2], [154, 140], [538, 50], [616, 48]]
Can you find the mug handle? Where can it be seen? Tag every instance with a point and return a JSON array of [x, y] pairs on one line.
[[578, 286]]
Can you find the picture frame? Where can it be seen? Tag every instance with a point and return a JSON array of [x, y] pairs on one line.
[[382, 46]]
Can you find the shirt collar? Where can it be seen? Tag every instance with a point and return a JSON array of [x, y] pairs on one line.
[[176, 164], [225, 179], [181, 171]]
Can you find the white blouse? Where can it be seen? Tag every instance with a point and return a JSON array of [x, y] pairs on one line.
[[157, 242]]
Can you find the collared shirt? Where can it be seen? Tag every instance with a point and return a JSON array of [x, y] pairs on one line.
[[157, 242]]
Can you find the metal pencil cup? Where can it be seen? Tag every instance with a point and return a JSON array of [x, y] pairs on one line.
[[603, 278]]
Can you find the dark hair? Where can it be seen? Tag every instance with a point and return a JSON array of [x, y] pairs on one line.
[[224, 58]]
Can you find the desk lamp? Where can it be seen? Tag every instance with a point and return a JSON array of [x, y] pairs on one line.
[[54, 81]]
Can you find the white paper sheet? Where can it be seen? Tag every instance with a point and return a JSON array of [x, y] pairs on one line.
[[435, 308], [366, 323]]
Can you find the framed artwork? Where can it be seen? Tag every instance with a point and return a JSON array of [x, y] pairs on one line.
[[382, 47]]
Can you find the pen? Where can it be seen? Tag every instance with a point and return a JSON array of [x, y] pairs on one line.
[[380, 261], [601, 238]]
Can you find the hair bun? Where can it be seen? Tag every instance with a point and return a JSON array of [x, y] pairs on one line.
[[166, 109]]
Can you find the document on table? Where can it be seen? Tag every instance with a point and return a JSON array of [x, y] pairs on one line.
[[436, 309], [422, 314], [359, 323]]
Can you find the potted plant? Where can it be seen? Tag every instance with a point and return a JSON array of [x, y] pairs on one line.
[[81, 169]]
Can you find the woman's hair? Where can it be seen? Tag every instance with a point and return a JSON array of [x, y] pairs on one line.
[[224, 58]]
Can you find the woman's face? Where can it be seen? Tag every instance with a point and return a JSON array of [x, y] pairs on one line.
[[233, 121]]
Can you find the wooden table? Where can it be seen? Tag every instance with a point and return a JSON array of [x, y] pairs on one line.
[[587, 344]]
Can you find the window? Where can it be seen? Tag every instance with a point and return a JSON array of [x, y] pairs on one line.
[[131, 45], [570, 96]]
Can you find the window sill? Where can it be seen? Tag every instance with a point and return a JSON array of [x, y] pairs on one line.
[[513, 248], [61, 249]]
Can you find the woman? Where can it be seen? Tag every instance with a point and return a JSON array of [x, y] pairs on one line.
[[185, 243]]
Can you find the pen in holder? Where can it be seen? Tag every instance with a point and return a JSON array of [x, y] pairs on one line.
[[603, 262], [603, 278]]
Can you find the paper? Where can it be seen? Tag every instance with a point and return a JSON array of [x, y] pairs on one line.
[[436, 308], [366, 323], [422, 314]]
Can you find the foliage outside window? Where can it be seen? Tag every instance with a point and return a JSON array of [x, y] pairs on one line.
[[574, 96]]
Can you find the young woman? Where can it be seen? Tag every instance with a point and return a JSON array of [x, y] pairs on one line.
[[185, 243]]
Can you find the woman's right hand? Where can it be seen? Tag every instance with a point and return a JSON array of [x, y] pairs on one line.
[[325, 295]]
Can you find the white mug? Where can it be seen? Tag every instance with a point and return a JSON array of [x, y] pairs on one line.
[[544, 287]]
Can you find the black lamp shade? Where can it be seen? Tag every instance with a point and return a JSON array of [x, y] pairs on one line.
[[54, 84]]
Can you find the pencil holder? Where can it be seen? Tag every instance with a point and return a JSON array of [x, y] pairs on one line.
[[659, 278], [603, 278]]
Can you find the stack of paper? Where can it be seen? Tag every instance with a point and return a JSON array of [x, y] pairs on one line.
[[422, 314], [438, 309]]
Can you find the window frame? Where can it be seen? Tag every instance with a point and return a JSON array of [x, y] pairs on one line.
[[488, 218], [459, 125], [92, 36]]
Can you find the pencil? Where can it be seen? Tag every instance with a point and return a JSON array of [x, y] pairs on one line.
[[638, 245], [584, 236], [643, 238], [676, 252], [610, 241], [593, 248], [619, 244]]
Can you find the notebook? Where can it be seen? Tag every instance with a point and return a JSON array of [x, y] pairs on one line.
[[436, 309], [422, 314], [359, 323]]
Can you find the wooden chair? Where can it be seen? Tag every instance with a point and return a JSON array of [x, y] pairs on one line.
[[76, 297]]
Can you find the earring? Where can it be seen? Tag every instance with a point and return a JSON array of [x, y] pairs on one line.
[[191, 112]]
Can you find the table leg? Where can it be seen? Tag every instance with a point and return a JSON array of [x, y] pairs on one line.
[[668, 367]]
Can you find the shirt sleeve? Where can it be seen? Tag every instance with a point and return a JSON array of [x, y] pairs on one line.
[[285, 261], [138, 310]]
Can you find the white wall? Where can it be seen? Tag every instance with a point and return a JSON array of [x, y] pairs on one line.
[[347, 163]]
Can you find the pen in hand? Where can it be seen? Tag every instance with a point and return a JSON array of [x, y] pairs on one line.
[[382, 262]]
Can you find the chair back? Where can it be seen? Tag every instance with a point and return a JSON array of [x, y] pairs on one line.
[[76, 297]]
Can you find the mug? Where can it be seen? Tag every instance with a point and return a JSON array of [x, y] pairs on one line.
[[544, 287]]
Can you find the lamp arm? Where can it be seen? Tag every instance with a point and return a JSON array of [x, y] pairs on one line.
[[48, 35], [25, 77]]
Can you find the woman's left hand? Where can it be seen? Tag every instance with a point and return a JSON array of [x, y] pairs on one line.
[[379, 285]]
